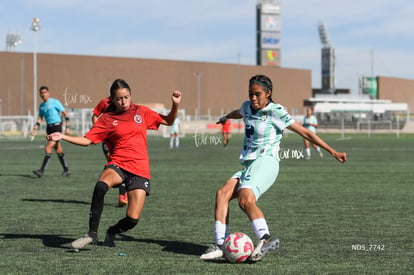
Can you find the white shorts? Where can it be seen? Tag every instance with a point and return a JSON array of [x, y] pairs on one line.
[[258, 175]]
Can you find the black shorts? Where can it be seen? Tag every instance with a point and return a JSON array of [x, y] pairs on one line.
[[55, 127], [131, 181]]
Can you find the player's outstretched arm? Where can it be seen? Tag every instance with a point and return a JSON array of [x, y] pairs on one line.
[[313, 138], [235, 114], [175, 99], [83, 141]]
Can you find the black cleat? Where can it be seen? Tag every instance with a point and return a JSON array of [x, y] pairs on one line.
[[109, 239], [38, 173], [65, 173]]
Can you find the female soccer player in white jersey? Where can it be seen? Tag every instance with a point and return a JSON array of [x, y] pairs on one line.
[[264, 124]]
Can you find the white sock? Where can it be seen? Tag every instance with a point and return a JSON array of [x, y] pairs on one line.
[[177, 142], [260, 228], [308, 152], [221, 232], [171, 142], [318, 149]]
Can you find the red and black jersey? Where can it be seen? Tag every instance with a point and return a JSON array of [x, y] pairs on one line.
[[126, 135]]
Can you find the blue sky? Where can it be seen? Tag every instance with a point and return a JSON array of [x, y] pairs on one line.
[[370, 37]]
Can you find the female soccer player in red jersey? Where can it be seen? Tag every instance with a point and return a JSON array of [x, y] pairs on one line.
[[97, 112], [123, 128]]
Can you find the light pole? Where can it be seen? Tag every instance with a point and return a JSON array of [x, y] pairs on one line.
[[198, 75], [13, 40], [35, 28]]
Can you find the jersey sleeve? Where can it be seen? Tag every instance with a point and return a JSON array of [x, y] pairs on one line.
[[58, 105], [101, 107], [283, 115], [98, 132], [40, 111], [244, 108], [152, 118]]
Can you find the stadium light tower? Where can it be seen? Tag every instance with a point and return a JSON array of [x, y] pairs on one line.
[[35, 28], [323, 35], [12, 40], [328, 60]]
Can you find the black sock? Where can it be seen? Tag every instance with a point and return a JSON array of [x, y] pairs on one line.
[[45, 162], [63, 161], [123, 225], [97, 205]]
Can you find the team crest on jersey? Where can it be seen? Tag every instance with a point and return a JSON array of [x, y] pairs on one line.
[[264, 117], [138, 119]]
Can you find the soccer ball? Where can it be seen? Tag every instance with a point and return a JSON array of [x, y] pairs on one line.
[[237, 247]]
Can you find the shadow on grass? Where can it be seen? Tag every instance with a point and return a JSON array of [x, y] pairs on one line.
[[57, 201], [56, 241], [17, 175], [169, 246]]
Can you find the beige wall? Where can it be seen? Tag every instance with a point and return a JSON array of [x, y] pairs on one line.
[[398, 90], [81, 81]]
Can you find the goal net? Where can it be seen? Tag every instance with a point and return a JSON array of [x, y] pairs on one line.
[[15, 126]]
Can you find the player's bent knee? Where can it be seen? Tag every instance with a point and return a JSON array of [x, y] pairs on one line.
[[246, 201], [101, 188]]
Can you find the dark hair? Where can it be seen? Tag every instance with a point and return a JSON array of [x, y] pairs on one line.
[[117, 84], [43, 88], [264, 81]]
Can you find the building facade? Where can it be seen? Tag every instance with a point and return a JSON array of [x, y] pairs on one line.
[[81, 81]]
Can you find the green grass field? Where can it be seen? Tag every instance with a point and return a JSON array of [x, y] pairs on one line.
[[331, 218]]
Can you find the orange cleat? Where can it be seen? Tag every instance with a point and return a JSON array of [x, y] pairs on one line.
[[123, 200]]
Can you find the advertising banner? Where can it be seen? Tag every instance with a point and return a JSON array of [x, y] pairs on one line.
[[270, 40], [270, 57], [370, 87], [270, 22]]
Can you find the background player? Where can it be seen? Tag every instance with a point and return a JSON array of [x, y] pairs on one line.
[[175, 134], [52, 111], [310, 122], [225, 130]]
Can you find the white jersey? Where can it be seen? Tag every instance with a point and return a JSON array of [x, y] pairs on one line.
[[263, 130], [175, 128], [312, 119]]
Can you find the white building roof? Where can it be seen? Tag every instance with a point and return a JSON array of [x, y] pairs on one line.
[[349, 103]]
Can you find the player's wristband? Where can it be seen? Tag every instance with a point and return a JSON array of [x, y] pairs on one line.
[[67, 118], [37, 124]]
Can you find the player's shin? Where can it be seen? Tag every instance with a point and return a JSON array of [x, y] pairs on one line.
[[97, 205]]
